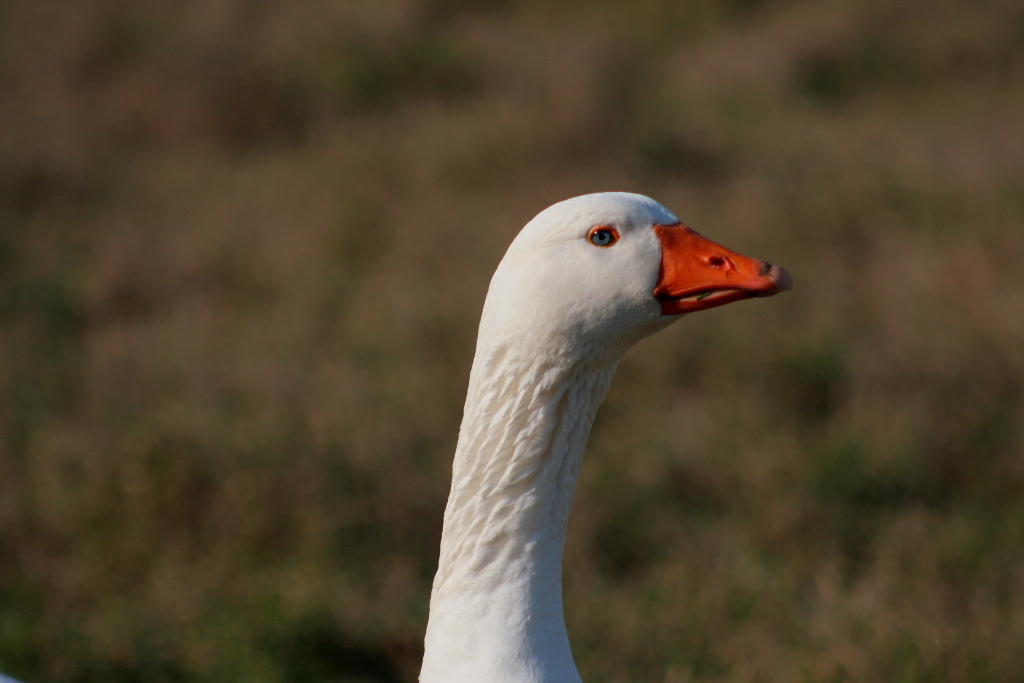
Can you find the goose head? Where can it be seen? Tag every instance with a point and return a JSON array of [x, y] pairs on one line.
[[601, 271]]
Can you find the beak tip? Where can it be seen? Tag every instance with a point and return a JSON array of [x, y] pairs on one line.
[[783, 280]]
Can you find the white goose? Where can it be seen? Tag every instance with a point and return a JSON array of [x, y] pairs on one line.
[[581, 283]]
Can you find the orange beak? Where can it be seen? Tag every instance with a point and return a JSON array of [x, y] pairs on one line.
[[697, 273]]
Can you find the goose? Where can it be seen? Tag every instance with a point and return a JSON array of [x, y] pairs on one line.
[[581, 283]]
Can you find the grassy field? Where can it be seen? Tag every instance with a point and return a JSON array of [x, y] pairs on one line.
[[243, 251]]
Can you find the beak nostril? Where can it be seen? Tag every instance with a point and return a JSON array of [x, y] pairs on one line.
[[716, 261]]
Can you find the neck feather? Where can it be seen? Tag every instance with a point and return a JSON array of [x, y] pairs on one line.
[[496, 606]]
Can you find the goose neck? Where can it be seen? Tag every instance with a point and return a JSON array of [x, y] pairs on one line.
[[496, 606]]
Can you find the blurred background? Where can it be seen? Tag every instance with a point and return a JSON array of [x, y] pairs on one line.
[[244, 245]]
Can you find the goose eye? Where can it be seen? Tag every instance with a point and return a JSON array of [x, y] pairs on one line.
[[603, 237]]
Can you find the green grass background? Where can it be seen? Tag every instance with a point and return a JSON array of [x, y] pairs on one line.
[[243, 249]]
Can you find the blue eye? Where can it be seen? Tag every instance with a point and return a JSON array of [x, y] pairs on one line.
[[603, 237]]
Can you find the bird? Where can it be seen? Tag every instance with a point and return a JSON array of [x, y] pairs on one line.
[[580, 284]]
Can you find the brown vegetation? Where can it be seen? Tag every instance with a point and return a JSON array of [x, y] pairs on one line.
[[243, 250]]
